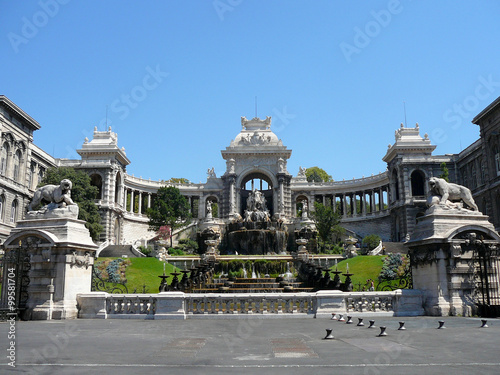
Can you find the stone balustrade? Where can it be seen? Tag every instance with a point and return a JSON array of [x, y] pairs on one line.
[[178, 305], [255, 303]]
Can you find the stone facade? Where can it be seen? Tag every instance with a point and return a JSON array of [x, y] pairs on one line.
[[387, 203]]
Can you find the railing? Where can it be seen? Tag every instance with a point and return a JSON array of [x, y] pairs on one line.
[[370, 302], [102, 246], [254, 304], [377, 250], [131, 304], [178, 305]]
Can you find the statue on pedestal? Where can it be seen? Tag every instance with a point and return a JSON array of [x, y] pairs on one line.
[[58, 198], [444, 194]]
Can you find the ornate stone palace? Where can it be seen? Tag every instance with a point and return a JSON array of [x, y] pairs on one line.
[[386, 204]]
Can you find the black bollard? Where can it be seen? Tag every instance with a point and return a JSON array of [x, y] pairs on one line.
[[441, 324], [484, 325], [360, 322], [372, 322], [329, 335], [341, 318], [382, 331], [334, 316], [401, 326], [349, 320]]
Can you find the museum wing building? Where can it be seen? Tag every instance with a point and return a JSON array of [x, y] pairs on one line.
[[387, 203]]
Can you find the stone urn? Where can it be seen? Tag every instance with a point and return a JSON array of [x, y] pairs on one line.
[[351, 247], [302, 252], [211, 253]]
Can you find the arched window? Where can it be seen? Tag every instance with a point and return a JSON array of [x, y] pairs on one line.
[[496, 155], [2, 200], [17, 165], [256, 181], [41, 173], [299, 204], [417, 183], [96, 180], [4, 158], [31, 178], [214, 206], [13, 211]]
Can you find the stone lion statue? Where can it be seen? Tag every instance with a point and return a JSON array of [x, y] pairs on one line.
[[452, 192], [60, 195]]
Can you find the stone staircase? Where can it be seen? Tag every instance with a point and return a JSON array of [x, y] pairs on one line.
[[118, 251], [394, 247], [252, 285]]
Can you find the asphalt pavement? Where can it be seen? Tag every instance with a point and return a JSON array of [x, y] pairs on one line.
[[250, 346]]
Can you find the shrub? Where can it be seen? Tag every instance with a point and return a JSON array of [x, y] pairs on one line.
[[371, 241], [395, 266], [145, 250], [112, 270], [187, 245], [175, 251]]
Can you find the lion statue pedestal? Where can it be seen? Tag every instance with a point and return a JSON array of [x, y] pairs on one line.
[[442, 262], [59, 255]]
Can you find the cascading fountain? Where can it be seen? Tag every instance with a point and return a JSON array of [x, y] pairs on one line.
[[255, 233]]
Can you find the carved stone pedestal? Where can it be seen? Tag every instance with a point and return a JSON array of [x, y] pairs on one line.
[[443, 250], [61, 255]]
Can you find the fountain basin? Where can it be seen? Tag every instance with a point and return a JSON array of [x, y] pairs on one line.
[[257, 241]]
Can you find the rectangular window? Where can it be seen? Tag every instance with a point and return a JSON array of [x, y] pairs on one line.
[[497, 163]]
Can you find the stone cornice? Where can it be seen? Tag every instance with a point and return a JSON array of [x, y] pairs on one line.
[[12, 107]]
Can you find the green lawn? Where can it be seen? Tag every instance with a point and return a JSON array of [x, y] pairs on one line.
[[145, 271], [363, 267]]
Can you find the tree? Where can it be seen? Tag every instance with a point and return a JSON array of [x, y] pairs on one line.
[[337, 233], [371, 241], [316, 174], [179, 180], [325, 219], [83, 193], [169, 208], [445, 175]]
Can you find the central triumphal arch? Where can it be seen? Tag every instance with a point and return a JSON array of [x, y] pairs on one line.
[[256, 159]]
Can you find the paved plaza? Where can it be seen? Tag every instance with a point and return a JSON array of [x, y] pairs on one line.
[[252, 346]]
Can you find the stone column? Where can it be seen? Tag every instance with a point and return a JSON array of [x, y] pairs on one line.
[[380, 199], [363, 203], [281, 204], [344, 204], [131, 201], [140, 202], [232, 203], [149, 200]]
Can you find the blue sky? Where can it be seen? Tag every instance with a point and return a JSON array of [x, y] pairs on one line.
[[177, 76]]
